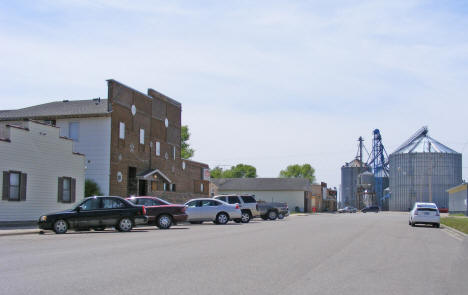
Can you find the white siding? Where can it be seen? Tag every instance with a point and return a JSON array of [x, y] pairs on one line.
[[44, 157], [94, 142], [293, 198]]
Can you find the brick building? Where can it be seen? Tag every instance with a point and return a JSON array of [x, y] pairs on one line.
[[131, 140]]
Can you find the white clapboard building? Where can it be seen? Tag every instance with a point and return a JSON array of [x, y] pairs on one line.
[[40, 171]]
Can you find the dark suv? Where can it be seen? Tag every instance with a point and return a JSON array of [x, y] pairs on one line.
[[371, 209]]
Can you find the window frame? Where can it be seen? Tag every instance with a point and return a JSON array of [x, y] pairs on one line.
[[142, 136], [10, 185]]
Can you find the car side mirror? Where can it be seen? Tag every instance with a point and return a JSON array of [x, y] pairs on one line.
[[79, 208]]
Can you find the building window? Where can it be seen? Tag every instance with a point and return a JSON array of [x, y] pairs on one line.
[[158, 148], [142, 136], [202, 187], [173, 187], [14, 186], [165, 186], [74, 130], [173, 153], [122, 130], [66, 190]]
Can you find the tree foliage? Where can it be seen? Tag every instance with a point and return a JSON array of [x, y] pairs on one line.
[[186, 151], [302, 171], [238, 171], [92, 188]]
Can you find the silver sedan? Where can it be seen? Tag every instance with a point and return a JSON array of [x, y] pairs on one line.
[[199, 210]]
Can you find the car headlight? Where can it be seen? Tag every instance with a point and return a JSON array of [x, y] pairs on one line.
[[43, 218]]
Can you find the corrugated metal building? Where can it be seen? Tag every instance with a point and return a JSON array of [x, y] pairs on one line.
[[458, 198], [422, 170]]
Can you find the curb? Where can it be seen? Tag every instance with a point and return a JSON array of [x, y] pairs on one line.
[[456, 231], [20, 232]]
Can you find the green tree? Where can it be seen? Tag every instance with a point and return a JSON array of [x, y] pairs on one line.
[[302, 171], [92, 188], [238, 171], [186, 151]]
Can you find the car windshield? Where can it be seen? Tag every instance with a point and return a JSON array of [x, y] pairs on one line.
[[427, 206]]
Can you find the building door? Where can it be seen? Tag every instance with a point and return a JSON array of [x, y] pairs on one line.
[[142, 188]]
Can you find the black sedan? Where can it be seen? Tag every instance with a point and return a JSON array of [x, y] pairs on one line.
[[96, 213], [375, 209]]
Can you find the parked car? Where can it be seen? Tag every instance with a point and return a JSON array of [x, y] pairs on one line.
[[96, 213], [247, 204], [273, 210], [375, 209], [347, 209], [207, 209], [424, 213], [160, 212]]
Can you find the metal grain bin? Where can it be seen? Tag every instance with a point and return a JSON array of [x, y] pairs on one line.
[[421, 170]]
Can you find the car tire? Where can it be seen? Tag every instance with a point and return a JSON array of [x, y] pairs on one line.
[[280, 216], [222, 218], [409, 222], [60, 226], [413, 224], [164, 221], [237, 220], [246, 217], [436, 225], [272, 215], [196, 222], [125, 225], [264, 217]]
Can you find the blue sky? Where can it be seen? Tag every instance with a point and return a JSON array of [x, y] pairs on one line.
[[267, 83]]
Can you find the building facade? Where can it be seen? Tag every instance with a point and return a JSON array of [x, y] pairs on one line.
[[298, 193], [458, 198], [131, 140], [40, 171]]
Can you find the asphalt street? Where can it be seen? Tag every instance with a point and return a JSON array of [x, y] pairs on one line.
[[316, 254]]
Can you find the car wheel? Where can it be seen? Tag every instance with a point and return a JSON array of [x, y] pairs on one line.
[[60, 226], [125, 224], [237, 220], [222, 218], [245, 217], [280, 216], [436, 225], [272, 215], [409, 222], [413, 224], [164, 221], [102, 228], [264, 217]]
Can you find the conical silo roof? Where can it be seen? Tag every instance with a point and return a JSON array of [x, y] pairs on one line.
[[421, 142]]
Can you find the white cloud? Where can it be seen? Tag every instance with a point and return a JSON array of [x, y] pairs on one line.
[[266, 83]]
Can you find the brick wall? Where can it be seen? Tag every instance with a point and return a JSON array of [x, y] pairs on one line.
[[152, 110]]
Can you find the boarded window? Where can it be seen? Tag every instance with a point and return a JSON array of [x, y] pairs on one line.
[[142, 136], [122, 130], [158, 148]]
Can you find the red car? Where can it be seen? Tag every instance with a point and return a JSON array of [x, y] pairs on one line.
[[161, 213]]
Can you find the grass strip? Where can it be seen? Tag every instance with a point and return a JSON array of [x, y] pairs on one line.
[[457, 223]]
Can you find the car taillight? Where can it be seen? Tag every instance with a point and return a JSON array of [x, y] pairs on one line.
[[237, 206], [437, 213], [144, 210], [183, 209], [415, 212]]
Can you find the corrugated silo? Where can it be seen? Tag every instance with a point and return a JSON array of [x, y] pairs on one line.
[[421, 170], [349, 181]]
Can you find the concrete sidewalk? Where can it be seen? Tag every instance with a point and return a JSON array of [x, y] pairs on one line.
[[18, 231]]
